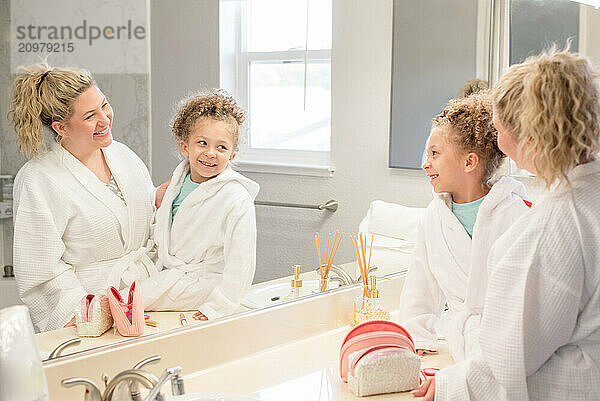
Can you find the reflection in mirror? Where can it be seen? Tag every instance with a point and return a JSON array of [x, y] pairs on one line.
[[357, 120]]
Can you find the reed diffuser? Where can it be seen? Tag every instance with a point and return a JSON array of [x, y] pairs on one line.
[[366, 307], [329, 256]]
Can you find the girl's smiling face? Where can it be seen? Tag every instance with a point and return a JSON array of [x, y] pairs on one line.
[[210, 149], [443, 165]]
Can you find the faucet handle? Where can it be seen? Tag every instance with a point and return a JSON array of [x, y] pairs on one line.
[[59, 349], [151, 359], [92, 393]]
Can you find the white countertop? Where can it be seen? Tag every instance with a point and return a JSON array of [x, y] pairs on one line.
[[304, 370]]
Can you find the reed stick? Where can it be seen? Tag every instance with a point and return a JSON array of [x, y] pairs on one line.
[[319, 253], [370, 250]]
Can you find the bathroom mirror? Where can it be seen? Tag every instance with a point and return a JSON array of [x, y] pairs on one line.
[[367, 54]]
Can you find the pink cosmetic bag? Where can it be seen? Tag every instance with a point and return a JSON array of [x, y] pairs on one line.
[[379, 357], [93, 317], [129, 317]]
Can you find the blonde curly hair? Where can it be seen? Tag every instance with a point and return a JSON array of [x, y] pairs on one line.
[[552, 101], [215, 105], [41, 95], [471, 130]]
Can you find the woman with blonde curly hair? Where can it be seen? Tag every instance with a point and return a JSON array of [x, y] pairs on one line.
[[83, 208], [469, 212], [206, 225], [540, 330]]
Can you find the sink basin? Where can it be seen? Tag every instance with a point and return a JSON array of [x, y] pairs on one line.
[[212, 397], [260, 296]]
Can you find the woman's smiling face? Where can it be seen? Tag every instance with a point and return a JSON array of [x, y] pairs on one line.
[[89, 127]]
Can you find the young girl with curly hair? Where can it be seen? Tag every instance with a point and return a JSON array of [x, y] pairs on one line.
[[206, 226], [468, 213], [540, 327]]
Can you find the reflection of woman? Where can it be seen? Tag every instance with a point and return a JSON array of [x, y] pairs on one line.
[[83, 208], [540, 330]]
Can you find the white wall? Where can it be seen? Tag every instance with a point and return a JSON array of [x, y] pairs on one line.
[[361, 79]]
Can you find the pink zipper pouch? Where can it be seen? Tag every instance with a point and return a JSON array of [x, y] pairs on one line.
[[93, 317], [379, 357]]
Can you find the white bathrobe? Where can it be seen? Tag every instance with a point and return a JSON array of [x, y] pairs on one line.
[[208, 253], [540, 329], [448, 266], [74, 236]]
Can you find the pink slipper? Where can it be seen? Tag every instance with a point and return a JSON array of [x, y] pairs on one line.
[[129, 317]]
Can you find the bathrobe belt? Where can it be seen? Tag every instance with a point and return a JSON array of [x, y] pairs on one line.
[[123, 271]]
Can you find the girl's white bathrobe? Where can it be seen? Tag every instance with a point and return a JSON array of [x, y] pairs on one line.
[[74, 236], [207, 255], [449, 266], [540, 329]]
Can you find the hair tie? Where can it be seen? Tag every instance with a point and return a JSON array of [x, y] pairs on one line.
[[42, 79]]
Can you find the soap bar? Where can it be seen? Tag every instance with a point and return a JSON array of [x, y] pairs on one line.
[[385, 370]]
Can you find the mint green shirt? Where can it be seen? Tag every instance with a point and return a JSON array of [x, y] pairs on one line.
[[466, 213], [186, 188]]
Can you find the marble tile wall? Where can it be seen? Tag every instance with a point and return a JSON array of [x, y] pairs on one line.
[[129, 94]]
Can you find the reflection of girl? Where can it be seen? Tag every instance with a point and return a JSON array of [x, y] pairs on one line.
[[540, 330], [206, 226], [466, 216], [83, 208]]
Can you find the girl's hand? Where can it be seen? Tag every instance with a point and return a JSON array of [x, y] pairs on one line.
[[160, 193], [427, 390], [199, 316]]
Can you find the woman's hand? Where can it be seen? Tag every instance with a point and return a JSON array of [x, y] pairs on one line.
[[427, 390], [160, 193]]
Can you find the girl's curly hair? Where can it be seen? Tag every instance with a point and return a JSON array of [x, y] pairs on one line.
[[472, 130], [215, 105]]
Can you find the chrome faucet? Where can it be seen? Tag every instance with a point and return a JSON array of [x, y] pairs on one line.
[[343, 277], [147, 379], [134, 388]]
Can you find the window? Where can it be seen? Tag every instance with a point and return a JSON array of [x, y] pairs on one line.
[[276, 60], [527, 27]]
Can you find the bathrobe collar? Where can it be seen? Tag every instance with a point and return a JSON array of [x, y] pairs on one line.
[[97, 188], [504, 187]]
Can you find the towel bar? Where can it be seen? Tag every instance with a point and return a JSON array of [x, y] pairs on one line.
[[330, 205]]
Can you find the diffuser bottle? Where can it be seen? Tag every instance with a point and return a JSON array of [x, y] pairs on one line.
[[369, 307]]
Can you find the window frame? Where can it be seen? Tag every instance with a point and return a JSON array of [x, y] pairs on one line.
[[281, 161]]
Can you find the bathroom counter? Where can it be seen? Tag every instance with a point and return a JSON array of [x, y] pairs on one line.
[[304, 370], [48, 341], [287, 351]]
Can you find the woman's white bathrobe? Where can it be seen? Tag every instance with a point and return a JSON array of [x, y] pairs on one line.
[[448, 266], [207, 255], [540, 329], [73, 235]]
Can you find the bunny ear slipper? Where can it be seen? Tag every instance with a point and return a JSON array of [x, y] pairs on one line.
[[129, 317], [93, 317]]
